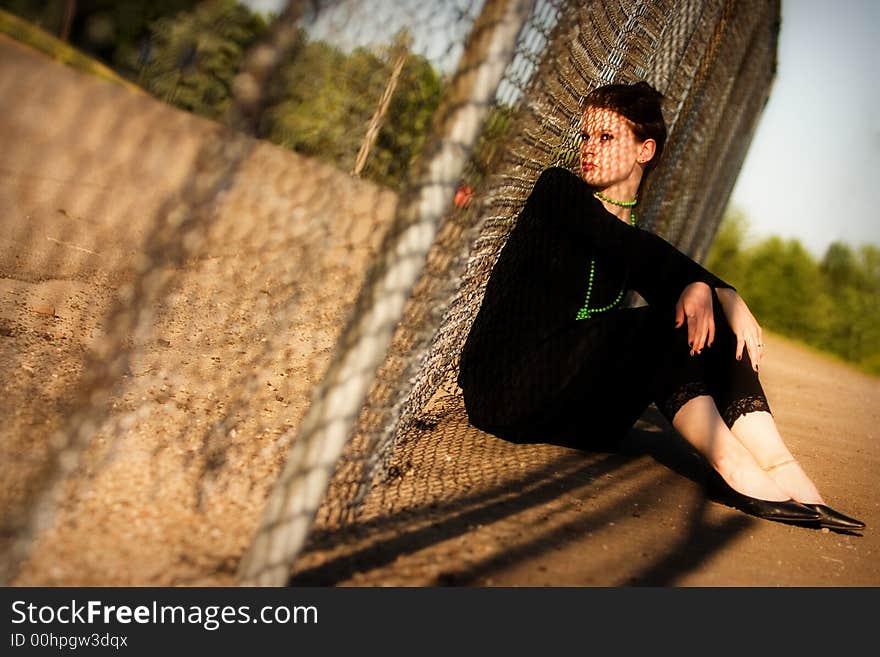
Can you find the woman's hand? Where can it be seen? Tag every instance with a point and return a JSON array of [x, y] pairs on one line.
[[744, 325], [695, 306]]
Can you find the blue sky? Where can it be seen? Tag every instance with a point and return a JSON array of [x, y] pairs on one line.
[[813, 167], [813, 163]]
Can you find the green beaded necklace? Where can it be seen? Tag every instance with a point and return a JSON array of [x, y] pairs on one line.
[[586, 312]]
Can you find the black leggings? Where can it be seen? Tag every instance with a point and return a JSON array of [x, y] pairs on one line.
[[733, 384], [643, 359]]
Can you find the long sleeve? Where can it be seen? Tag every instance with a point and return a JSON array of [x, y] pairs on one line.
[[654, 267], [527, 353], [540, 278]]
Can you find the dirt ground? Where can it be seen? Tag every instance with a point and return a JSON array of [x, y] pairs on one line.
[[234, 325], [203, 275], [478, 511]]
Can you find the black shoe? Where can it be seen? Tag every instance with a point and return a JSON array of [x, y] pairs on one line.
[[781, 511], [832, 519]]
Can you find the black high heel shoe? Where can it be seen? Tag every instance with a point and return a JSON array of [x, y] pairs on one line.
[[780, 511], [832, 519]]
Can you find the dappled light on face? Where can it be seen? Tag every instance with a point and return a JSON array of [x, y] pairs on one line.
[[609, 150]]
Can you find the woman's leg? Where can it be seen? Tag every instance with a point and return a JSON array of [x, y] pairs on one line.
[[758, 433], [690, 390], [742, 403], [699, 422]]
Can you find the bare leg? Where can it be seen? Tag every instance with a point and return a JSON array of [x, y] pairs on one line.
[[700, 424], [757, 431]]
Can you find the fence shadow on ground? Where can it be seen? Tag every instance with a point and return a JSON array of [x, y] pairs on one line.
[[615, 480]]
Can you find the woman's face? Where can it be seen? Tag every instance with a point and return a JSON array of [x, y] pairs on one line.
[[610, 150]]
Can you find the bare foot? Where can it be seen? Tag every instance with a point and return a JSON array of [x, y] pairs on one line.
[[792, 479], [744, 476]]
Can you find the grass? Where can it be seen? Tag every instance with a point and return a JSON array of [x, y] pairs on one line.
[[61, 51]]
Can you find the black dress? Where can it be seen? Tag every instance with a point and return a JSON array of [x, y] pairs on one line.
[[530, 370]]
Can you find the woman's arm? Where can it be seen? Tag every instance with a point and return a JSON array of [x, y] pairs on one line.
[[655, 268]]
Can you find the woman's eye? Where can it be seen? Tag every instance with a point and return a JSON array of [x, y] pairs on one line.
[[605, 136]]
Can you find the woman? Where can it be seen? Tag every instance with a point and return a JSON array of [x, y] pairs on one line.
[[553, 354]]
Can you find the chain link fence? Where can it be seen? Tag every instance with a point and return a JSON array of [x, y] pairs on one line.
[[233, 360]]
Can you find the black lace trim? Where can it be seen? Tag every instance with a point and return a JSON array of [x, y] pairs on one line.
[[747, 404], [671, 405]]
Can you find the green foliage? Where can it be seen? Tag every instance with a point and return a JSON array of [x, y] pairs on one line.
[[403, 132], [37, 38], [492, 137], [44, 15], [783, 280], [323, 99], [115, 31], [194, 56], [833, 304], [726, 257], [315, 105]]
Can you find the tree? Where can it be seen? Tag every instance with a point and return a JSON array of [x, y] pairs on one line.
[[312, 108], [399, 52], [785, 286], [114, 31], [833, 304], [48, 16], [406, 127], [322, 102], [194, 56], [727, 258], [853, 286], [839, 266]]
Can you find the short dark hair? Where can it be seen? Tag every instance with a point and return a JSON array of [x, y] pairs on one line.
[[640, 103]]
